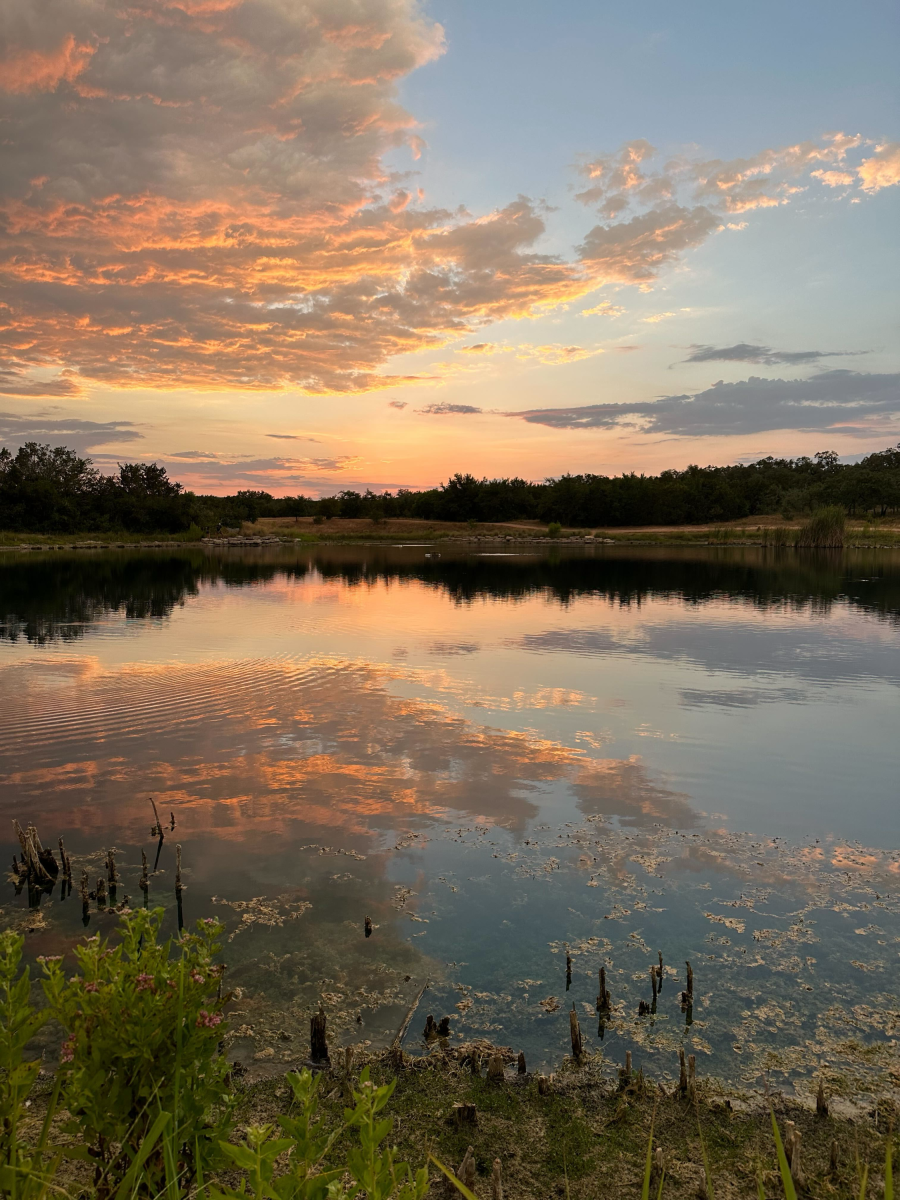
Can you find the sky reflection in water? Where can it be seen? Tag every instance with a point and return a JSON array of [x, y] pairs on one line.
[[613, 753]]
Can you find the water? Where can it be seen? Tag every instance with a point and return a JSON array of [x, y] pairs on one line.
[[608, 752]]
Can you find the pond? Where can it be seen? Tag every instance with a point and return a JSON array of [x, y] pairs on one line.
[[502, 760]]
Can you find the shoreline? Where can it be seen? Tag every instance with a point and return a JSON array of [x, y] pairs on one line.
[[449, 540], [578, 1135]]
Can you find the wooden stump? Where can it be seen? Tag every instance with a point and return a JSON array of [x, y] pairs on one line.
[[496, 1182], [318, 1041], [575, 1032], [465, 1115]]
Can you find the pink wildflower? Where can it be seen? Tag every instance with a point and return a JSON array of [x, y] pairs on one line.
[[210, 921], [93, 986], [196, 977], [145, 983], [48, 958], [208, 1020], [68, 1049]]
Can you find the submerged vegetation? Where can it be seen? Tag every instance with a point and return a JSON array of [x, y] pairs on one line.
[[52, 490]]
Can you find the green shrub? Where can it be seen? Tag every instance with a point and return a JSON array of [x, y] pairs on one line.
[[554, 529], [143, 1022], [372, 1171], [20, 1167]]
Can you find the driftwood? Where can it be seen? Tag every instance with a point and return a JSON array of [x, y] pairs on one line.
[[397, 1043]]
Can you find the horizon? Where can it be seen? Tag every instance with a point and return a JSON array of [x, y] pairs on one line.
[[311, 249]]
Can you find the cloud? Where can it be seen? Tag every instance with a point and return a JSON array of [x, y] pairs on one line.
[[25, 70], [848, 402], [195, 194], [440, 410], [65, 431], [882, 169], [292, 437], [479, 348], [16, 381], [553, 354], [397, 404], [657, 317], [635, 251], [835, 179], [764, 355], [605, 308]]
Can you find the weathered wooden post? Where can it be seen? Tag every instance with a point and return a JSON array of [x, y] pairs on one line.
[[603, 999], [496, 1182], [318, 1040], [495, 1069], [575, 1032]]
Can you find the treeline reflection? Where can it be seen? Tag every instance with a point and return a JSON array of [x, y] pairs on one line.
[[59, 596]]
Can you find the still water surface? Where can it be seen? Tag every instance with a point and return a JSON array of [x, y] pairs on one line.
[[500, 759]]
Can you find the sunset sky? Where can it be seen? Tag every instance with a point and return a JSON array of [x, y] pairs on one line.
[[309, 245]]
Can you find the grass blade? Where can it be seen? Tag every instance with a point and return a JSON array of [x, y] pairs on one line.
[[648, 1165], [863, 1180], [889, 1170], [710, 1194], [787, 1182], [129, 1184], [457, 1183]]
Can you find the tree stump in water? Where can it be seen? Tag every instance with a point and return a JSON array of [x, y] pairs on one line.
[[575, 1031], [318, 1042]]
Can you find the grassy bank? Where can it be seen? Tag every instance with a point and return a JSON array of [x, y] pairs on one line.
[[140, 1102], [772, 533]]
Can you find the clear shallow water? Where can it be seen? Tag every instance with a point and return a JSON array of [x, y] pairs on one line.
[[499, 759]]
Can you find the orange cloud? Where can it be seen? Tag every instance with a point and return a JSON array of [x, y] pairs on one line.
[[23, 71], [195, 195], [882, 169]]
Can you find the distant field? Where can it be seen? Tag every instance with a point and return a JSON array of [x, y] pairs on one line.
[[887, 530], [884, 531]]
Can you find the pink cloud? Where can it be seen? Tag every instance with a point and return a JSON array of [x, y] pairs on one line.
[[23, 71]]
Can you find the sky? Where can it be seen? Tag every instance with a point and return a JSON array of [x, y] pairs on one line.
[[347, 244]]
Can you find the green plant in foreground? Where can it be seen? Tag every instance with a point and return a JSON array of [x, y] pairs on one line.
[[372, 1171], [140, 1062], [23, 1175]]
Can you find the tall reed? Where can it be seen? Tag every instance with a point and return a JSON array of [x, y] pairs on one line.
[[824, 530]]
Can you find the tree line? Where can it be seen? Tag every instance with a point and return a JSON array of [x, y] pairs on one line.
[[46, 489]]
